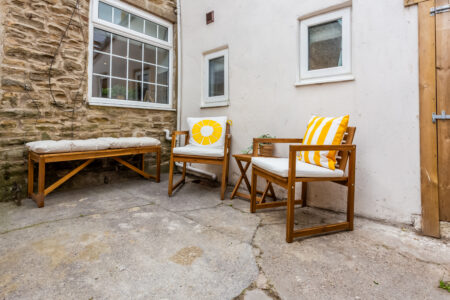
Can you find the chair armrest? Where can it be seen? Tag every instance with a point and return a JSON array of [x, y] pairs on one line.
[[293, 149], [175, 134], [257, 141]]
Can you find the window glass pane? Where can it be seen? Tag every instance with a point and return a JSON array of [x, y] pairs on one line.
[[149, 73], [151, 29], [150, 54], [118, 89], [163, 33], [134, 91], [149, 92], [216, 77], [162, 96], [119, 67], [105, 11], [102, 40], [135, 50], [325, 45], [121, 17], [163, 76], [100, 86], [137, 23], [101, 63], [163, 57], [119, 45], [135, 70]]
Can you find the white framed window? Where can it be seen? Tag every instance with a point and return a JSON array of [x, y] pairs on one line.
[[325, 48], [215, 79], [130, 57]]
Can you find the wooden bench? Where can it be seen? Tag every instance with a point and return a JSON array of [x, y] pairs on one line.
[[89, 156]]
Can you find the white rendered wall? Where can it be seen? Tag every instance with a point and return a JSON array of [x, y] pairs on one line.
[[263, 56]]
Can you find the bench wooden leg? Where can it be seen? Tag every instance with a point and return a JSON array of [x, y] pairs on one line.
[[41, 184]]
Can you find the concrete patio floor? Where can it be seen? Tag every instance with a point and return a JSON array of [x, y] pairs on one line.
[[130, 241]]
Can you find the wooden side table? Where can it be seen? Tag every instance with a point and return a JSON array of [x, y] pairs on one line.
[[268, 191]]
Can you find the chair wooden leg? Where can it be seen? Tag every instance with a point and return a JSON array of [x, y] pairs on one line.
[[41, 184], [30, 175], [253, 192], [224, 180], [171, 166], [304, 193], [183, 174], [290, 213], [351, 189], [158, 165]]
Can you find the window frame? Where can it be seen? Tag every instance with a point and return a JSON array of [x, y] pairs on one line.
[[95, 22], [215, 101], [340, 73]]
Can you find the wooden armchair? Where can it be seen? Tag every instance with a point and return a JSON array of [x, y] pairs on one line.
[[204, 158], [285, 173]]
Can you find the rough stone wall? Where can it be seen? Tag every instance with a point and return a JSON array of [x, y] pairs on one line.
[[30, 31]]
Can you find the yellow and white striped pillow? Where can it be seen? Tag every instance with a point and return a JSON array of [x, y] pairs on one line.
[[323, 131]]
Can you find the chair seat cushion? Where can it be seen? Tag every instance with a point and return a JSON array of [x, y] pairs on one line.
[[280, 166], [199, 151], [61, 146]]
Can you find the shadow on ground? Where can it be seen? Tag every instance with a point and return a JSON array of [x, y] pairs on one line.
[[129, 240]]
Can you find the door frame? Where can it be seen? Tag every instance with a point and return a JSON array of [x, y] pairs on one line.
[[427, 106]]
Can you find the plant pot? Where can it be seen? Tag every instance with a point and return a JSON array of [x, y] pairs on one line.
[[266, 150]]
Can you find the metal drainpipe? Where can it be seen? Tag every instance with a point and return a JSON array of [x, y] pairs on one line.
[[179, 79], [189, 168]]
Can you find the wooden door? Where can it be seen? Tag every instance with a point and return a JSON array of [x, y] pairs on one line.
[[443, 104]]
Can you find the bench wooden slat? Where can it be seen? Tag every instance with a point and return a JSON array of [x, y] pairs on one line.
[[89, 156]]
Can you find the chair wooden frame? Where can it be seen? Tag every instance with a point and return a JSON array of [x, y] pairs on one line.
[[89, 156], [223, 161], [346, 152]]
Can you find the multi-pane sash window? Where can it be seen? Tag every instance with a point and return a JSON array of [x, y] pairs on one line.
[[129, 67]]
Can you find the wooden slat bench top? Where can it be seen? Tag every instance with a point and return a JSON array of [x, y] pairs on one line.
[[69, 156], [88, 156]]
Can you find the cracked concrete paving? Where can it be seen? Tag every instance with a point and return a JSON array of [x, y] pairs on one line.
[[130, 241]]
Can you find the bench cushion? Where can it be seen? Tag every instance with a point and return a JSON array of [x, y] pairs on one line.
[[280, 166], [199, 151], [50, 146], [61, 146], [131, 142]]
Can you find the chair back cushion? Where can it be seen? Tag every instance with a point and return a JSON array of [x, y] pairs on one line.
[[207, 132], [323, 131]]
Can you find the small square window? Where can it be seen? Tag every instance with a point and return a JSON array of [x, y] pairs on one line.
[[216, 79], [325, 48]]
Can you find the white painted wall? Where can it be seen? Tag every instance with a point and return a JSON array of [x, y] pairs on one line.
[[382, 100]]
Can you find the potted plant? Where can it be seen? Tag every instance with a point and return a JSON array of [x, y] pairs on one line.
[[265, 149], [118, 92]]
